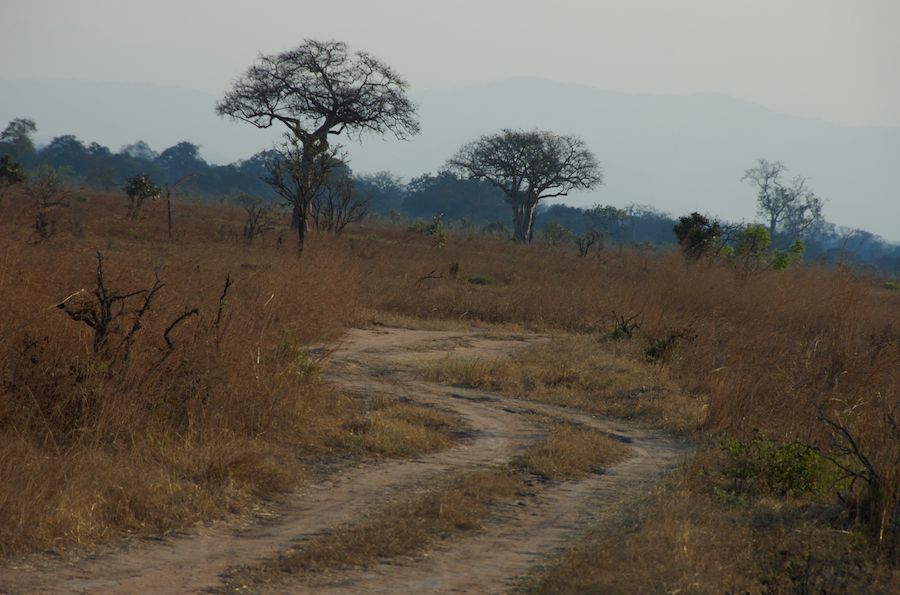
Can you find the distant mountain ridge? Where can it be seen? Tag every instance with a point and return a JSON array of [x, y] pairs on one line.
[[678, 153]]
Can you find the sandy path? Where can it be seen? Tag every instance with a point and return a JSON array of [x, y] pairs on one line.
[[368, 362]]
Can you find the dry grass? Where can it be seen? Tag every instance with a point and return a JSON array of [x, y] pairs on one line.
[[685, 540], [811, 354], [374, 317], [571, 451], [230, 413], [405, 527], [147, 439], [581, 371], [400, 429]]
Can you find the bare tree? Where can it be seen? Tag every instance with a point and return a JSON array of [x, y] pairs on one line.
[[586, 241], [104, 311], [316, 90], [338, 204], [297, 179], [45, 189], [170, 188], [109, 313], [529, 166], [259, 217], [600, 222], [789, 206]]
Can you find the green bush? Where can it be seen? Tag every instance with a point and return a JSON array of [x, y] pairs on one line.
[[436, 229], [697, 235], [557, 235], [753, 251], [766, 466]]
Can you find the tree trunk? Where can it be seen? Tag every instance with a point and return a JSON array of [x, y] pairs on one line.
[[301, 231], [520, 221], [169, 216], [531, 212], [524, 217]]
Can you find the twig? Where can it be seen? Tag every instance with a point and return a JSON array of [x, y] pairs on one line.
[[149, 294], [873, 476], [62, 305], [228, 283], [431, 275]]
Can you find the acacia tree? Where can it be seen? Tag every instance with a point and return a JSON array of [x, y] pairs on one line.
[[138, 189], [788, 206], [529, 166], [316, 90]]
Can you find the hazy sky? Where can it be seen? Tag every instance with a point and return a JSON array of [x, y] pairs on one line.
[[834, 59]]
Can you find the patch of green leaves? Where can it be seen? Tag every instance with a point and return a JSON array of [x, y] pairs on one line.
[[764, 466]]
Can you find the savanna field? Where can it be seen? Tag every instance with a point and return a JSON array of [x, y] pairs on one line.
[[181, 385]]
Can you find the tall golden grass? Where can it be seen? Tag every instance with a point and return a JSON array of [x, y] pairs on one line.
[[93, 444]]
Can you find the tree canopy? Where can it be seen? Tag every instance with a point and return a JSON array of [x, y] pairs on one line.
[[15, 139], [321, 88], [315, 90], [529, 166], [697, 234]]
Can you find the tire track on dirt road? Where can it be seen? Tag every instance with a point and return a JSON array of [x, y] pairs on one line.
[[366, 363]]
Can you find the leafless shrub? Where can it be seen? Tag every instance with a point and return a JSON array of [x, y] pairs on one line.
[[873, 493], [337, 204], [625, 325], [106, 311], [259, 218], [48, 195], [586, 241]]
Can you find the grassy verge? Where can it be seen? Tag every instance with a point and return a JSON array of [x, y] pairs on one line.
[[413, 524]]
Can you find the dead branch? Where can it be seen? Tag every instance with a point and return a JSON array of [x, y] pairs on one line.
[[102, 311], [181, 318], [625, 326], [222, 300], [430, 275], [139, 314]]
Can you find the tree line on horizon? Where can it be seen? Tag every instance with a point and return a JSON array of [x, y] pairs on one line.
[[462, 203]]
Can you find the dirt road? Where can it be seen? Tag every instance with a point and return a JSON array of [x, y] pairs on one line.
[[368, 362]]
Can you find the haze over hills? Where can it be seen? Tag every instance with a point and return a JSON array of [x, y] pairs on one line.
[[677, 153]]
